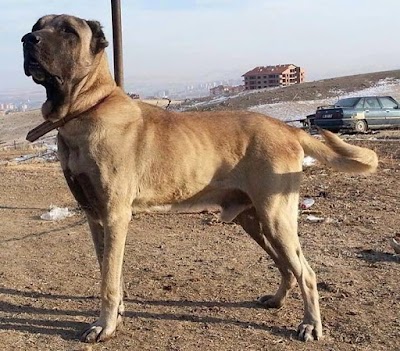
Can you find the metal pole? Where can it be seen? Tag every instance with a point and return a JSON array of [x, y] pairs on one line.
[[117, 41]]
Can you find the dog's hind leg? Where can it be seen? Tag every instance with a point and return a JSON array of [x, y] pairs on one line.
[[250, 222], [278, 215]]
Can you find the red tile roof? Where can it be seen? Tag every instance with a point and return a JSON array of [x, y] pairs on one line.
[[279, 69]]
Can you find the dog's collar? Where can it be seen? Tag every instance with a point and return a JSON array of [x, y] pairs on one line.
[[48, 126]]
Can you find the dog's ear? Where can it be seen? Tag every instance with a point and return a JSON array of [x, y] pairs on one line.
[[99, 41]]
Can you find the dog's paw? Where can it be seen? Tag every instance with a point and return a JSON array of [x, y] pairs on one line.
[[270, 301], [309, 331], [97, 332]]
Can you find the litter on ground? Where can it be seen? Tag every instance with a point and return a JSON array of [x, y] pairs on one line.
[[56, 213], [315, 219]]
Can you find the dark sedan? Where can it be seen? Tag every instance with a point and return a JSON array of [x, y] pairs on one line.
[[359, 114]]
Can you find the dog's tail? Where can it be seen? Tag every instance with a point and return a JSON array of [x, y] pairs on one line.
[[339, 154]]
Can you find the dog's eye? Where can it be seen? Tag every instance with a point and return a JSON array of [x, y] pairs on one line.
[[68, 30]]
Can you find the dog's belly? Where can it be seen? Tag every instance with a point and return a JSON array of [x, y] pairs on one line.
[[176, 208], [229, 202]]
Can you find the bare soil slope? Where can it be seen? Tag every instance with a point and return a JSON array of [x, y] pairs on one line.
[[15, 126]]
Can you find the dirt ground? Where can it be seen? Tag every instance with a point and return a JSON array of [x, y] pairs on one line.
[[191, 280]]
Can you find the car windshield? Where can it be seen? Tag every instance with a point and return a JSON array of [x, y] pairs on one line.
[[350, 102]]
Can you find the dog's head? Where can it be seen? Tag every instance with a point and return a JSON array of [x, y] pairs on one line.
[[58, 53]]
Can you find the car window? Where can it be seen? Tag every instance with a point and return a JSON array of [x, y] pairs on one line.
[[349, 102], [360, 104], [387, 102], [371, 102]]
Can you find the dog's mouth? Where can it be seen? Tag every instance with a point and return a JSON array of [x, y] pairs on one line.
[[33, 68], [39, 73], [54, 84]]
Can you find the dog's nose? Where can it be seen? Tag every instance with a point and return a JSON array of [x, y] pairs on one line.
[[31, 38]]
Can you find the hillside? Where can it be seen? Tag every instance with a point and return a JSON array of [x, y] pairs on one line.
[[321, 89], [287, 103], [15, 126]]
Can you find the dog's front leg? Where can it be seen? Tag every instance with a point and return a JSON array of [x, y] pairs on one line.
[[115, 230], [97, 231]]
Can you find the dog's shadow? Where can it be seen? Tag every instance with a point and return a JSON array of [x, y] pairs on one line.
[[15, 318]]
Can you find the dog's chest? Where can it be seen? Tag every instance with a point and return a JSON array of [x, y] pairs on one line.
[[84, 191], [79, 171]]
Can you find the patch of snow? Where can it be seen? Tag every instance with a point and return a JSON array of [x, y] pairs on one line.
[[308, 161], [49, 154], [24, 158], [294, 110], [382, 87]]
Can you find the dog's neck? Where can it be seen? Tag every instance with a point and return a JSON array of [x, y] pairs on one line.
[[85, 94]]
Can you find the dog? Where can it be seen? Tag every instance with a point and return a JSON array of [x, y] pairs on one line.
[[122, 156]]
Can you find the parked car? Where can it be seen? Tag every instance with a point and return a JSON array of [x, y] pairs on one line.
[[359, 114]]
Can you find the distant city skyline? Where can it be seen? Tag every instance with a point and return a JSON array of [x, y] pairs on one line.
[[174, 42]]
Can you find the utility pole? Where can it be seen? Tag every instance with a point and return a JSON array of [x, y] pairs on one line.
[[117, 42]]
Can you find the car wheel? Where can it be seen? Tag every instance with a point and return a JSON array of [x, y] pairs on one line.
[[360, 126]]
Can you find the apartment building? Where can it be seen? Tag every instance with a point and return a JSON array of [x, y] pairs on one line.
[[273, 76]]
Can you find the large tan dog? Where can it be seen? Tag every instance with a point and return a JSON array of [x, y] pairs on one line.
[[120, 155]]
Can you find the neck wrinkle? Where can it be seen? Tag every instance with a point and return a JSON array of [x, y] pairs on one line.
[[93, 88]]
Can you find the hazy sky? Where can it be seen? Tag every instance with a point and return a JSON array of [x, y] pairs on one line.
[[202, 40]]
